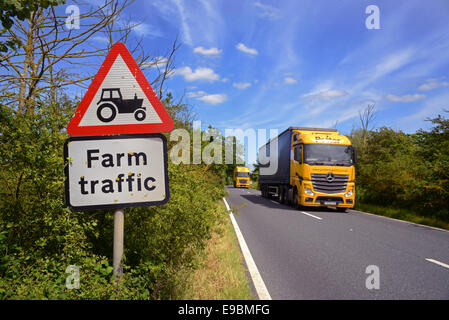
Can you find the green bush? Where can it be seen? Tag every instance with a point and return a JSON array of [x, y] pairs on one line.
[[408, 171], [40, 236]]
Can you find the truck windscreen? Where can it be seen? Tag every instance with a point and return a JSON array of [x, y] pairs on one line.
[[327, 154], [242, 174]]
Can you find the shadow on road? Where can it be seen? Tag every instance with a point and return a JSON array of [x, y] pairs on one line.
[[268, 203]]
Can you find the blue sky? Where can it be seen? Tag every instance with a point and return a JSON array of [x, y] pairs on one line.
[[274, 64]]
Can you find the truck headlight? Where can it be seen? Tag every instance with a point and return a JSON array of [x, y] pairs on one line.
[[309, 192], [349, 193]]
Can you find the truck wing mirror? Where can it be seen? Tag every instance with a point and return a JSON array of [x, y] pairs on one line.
[[355, 155]]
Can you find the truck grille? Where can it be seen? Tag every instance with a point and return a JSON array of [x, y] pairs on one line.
[[243, 181], [329, 183]]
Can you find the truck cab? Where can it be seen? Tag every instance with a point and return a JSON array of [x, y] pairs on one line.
[[316, 168], [322, 169], [241, 177]]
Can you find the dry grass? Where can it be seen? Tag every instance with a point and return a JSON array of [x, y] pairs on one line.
[[220, 272]]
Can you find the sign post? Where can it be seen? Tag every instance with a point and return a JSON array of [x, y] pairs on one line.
[[116, 157], [119, 223]]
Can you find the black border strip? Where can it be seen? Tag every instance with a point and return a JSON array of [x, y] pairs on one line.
[[120, 205]]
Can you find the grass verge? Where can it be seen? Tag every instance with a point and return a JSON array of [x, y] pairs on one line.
[[402, 214], [220, 273]]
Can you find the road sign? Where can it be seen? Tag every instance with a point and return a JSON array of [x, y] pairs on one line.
[[104, 172], [119, 101]]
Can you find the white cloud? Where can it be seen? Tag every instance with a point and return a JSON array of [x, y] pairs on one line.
[[208, 98], [429, 108], [393, 62], [197, 22], [101, 39], [196, 94], [433, 84], [208, 52], [214, 98], [326, 95], [290, 80], [267, 11], [144, 29], [405, 98], [184, 24], [158, 62], [241, 85], [207, 74], [245, 49]]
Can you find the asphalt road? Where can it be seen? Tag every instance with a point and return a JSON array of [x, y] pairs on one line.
[[324, 254]]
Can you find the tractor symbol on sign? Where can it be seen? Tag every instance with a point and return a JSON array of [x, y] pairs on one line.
[[111, 102]]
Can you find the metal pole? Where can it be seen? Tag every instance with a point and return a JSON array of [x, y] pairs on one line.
[[119, 221]]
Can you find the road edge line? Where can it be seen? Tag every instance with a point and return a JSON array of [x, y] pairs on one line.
[[258, 282]]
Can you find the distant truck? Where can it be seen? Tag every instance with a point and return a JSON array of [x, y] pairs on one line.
[[315, 168], [241, 177]]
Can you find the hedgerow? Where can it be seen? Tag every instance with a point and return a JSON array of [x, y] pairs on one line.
[[40, 236]]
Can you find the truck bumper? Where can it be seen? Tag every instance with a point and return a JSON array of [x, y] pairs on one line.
[[241, 184], [338, 200]]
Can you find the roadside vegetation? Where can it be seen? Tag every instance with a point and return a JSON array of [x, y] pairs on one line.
[[220, 273], [39, 236], [404, 176]]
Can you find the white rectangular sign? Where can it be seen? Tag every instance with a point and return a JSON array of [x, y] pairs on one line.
[[104, 172]]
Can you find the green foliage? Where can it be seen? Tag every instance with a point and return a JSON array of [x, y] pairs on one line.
[[255, 173], [409, 171], [40, 236], [20, 9]]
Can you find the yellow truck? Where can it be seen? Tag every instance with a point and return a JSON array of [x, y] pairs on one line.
[[315, 168], [241, 177]]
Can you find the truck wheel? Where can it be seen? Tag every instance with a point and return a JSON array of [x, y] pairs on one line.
[[286, 195], [106, 112], [282, 195], [140, 115], [342, 209], [295, 203]]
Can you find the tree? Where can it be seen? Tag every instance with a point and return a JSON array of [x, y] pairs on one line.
[[366, 118], [50, 55], [255, 173], [434, 150], [19, 9]]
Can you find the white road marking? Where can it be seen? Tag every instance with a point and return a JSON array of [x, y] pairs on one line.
[[438, 262], [311, 215], [259, 285]]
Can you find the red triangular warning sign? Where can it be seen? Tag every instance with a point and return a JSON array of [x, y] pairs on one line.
[[119, 101]]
